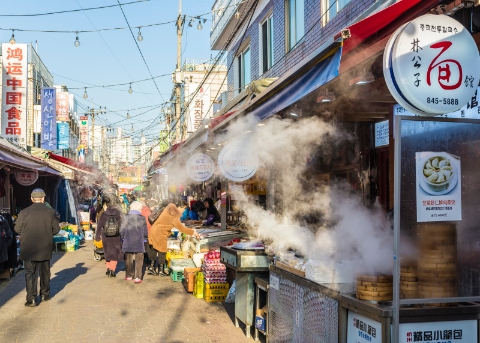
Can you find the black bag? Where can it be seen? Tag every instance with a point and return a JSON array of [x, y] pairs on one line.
[[111, 228], [154, 216]]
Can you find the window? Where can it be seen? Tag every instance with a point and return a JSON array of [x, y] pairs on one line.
[[332, 7], [294, 22], [266, 44], [243, 70]]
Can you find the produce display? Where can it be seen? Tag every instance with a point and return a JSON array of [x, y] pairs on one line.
[[213, 270]]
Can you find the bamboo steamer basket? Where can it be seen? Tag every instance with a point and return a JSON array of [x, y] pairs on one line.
[[374, 287], [437, 260], [408, 278]]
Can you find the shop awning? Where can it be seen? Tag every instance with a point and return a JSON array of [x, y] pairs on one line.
[[12, 156], [75, 164], [319, 69], [379, 26]]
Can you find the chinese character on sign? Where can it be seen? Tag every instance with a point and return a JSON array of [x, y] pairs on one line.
[[14, 83], [13, 98], [416, 46], [14, 113], [473, 103], [14, 69], [13, 129], [444, 72], [15, 53]]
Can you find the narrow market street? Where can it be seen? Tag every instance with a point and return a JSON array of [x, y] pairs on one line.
[[86, 306]]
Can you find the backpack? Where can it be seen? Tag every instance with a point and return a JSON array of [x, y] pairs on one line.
[[111, 228]]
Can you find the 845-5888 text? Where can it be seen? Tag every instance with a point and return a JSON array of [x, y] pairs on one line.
[[444, 101]]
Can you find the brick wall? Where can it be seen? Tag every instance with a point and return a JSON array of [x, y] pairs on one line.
[[315, 35]]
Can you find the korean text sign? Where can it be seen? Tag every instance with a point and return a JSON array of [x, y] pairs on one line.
[[63, 134], [49, 120], [14, 93], [431, 65], [439, 195]]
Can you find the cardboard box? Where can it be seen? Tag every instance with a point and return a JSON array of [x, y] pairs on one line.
[[189, 278]]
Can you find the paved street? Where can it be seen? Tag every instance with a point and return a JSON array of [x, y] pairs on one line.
[[86, 306]]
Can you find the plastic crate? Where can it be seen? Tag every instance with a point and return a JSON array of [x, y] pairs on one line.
[[198, 285], [215, 292], [176, 276]]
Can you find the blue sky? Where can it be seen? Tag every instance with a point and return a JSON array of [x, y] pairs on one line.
[[111, 57]]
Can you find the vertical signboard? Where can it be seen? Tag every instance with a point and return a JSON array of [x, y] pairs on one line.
[[63, 134], [361, 329], [14, 93], [62, 106], [199, 106], [49, 121], [84, 131]]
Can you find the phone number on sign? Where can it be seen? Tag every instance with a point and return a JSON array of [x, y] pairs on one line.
[[444, 101]]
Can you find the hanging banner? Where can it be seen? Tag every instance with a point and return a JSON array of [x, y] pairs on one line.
[[81, 154], [49, 121], [199, 106], [62, 106], [439, 185], [237, 161], [458, 331], [14, 93], [200, 167], [431, 64], [83, 130], [26, 178], [63, 134]]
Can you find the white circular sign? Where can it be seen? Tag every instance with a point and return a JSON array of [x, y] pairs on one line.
[[26, 178], [237, 161], [200, 167], [431, 65]]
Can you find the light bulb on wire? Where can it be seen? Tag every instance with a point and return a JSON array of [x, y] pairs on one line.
[[85, 95], [77, 42], [130, 90], [199, 26], [12, 39], [139, 37], [132, 128], [128, 115], [237, 15]]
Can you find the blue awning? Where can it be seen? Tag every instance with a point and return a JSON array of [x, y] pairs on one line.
[[320, 74]]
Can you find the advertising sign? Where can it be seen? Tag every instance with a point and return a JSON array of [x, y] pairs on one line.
[[460, 331], [431, 65], [237, 161], [37, 119], [49, 120], [439, 185], [26, 178], [14, 93], [361, 329], [63, 133], [198, 107], [81, 154], [200, 167], [62, 106], [83, 130], [381, 134]]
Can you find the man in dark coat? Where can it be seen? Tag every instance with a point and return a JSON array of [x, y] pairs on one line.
[[36, 225]]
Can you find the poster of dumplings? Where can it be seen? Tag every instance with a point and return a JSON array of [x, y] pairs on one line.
[[439, 196]]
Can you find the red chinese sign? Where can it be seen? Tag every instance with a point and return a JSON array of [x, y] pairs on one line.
[[14, 93]]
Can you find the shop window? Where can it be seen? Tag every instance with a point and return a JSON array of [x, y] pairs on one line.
[[243, 76], [266, 44], [331, 8], [294, 22]]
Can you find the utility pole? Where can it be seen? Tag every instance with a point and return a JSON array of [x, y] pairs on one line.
[[177, 79]]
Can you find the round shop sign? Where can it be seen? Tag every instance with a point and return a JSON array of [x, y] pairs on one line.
[[200, 167], [431, 65], [26, 178], [237, 161]]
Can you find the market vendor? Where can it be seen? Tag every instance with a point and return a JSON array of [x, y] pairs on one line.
[[212, 212], [162, 229]]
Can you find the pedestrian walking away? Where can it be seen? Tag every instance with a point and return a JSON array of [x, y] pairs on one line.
[[36, 226], [109, 220], [133, 232]]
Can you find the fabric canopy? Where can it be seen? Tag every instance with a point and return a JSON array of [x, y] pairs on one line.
[[77, 165]]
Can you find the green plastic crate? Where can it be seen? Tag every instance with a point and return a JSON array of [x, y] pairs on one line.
[[176, 276]]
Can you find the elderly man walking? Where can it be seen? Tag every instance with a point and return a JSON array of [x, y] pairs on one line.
[[36, 225]]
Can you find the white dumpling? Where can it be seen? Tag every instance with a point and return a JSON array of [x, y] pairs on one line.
[[441, 177], [428, 165], [433, 177], [443, 163], [427, 172], [435, 162], [446, 173]]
